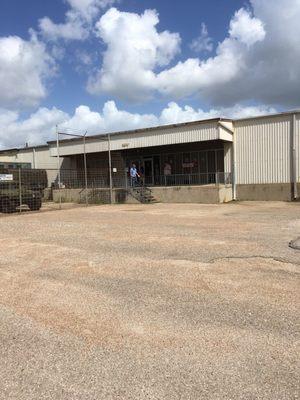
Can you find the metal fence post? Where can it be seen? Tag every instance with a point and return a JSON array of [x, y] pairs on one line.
[[110, 171], [126, 181], [85, 172], [20, 190], [58, 167]]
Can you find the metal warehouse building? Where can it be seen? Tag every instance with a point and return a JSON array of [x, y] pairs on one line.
[[208, 161]]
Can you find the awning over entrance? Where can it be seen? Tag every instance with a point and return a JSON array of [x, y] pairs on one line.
[[201, 131]]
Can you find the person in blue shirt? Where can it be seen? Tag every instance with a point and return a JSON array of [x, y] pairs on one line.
[[133, 175]]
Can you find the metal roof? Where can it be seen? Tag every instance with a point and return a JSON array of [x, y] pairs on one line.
[[297, 111], [17, 149]]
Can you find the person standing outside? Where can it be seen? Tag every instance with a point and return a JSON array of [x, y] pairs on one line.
[[167, 173], [167, 169], [133, 175]]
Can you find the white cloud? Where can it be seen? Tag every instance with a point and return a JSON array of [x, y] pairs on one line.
[[174, 113], [246, 29], [258, 60], [24, 69], [191, 76], [195, 76], [78, 20], [36, 129], [40, 126], [134, 50], [203, 42], [89, 9], [271, 71], [74, 28], [109, 120]]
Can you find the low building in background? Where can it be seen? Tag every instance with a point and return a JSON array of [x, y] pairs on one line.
[[210, 161]]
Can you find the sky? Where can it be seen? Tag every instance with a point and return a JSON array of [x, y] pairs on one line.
[[100, 66]]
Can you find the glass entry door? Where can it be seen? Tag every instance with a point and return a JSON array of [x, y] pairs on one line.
[[148, 171]]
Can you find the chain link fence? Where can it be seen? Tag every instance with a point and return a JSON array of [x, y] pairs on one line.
[[45, 189], [24, 190]]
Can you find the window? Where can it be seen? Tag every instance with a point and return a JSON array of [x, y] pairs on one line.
[[15, 165]]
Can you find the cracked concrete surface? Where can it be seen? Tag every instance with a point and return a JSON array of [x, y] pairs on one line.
[[150, 302]]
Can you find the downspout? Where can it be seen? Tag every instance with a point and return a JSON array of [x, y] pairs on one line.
[[294, 194], [233, 166]]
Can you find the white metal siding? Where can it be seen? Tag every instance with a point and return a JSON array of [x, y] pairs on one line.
[[225, 135], [160, 137], [43, 159], [164, 136], [263, 150], [227, 157], [24, 156]]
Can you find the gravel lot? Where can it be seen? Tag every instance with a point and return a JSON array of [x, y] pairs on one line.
[[159, 302]]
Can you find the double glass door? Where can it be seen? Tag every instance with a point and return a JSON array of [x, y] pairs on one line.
[[148, 169]]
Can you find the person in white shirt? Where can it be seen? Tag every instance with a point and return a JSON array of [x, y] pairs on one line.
[[167, 169], [167, 173]]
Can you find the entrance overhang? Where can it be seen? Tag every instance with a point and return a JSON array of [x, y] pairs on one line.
[[201, 131]]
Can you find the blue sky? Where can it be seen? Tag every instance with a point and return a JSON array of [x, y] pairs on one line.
[[67, 91], [102, 65]]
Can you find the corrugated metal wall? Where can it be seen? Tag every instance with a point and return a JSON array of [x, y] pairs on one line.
[[38, 158], [159, 137], [263, 150], [228, 148]]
